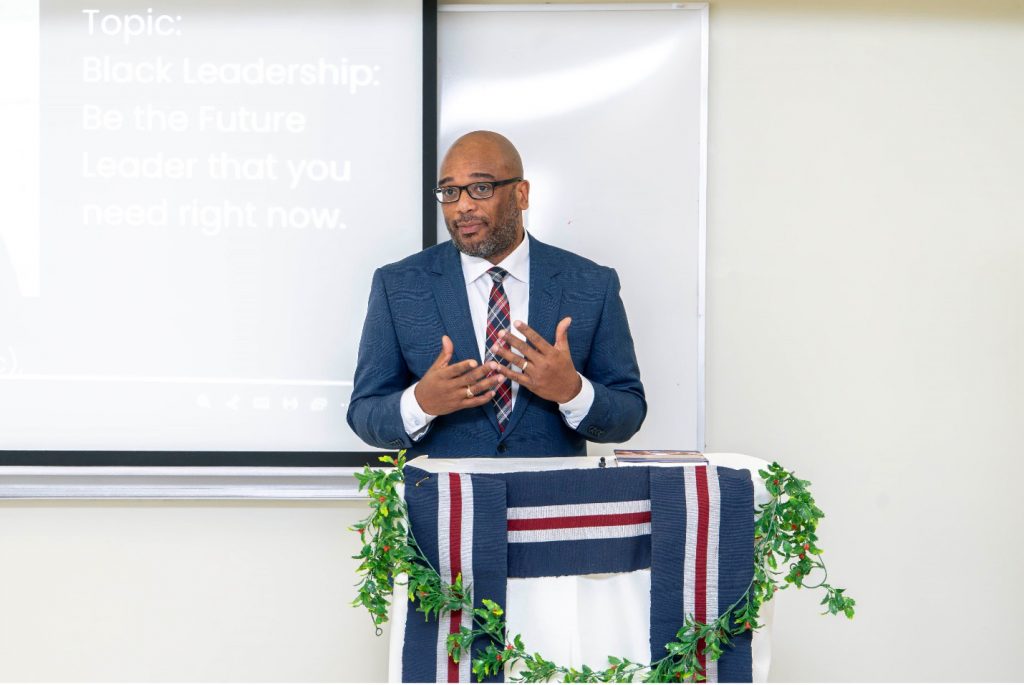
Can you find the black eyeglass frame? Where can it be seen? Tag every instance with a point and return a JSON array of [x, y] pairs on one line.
[[493, 184]]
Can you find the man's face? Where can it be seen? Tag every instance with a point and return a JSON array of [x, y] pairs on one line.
[[482, 228]]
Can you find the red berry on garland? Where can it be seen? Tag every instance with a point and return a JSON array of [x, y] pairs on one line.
[[794, 526], [499, 656], [802, 555], [746, 624], [776, 481], [381, 499], [806, 547], [509, 647], [387, 548]]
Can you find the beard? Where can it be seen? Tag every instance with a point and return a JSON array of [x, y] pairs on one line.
[[500, 237]]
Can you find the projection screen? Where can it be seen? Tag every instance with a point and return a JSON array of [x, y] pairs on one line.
[[194, 197]]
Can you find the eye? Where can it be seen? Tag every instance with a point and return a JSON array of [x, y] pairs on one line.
[[481, 188], [448, 192]]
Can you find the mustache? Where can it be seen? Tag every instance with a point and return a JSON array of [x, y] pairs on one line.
[[468, 218]]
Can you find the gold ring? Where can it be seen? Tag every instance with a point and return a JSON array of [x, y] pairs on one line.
[[525, 364], [469, 393]]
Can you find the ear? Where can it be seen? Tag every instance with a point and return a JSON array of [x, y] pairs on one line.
[[523, 195]]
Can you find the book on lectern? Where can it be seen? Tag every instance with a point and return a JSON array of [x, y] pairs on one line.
[[660, 456]]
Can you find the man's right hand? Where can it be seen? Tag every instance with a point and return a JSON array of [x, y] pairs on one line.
[[448, 388]]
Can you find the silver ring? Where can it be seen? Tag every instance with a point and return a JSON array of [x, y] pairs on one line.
[[469, 393], [525, 364]]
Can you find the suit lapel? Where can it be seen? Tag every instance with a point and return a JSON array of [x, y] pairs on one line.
[[449, 286], [545, 302]]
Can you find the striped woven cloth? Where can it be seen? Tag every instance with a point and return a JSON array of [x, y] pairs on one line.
[[584, 561]]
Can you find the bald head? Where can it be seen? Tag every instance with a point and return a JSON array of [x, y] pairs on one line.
[[494, 148], [485, 225]]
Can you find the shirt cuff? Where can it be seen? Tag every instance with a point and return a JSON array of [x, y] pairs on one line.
[[414, 419], [578, 407]]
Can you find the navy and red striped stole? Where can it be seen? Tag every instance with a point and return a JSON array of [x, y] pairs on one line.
[[710, 511], [690, 528], [458, 521], [567, 523]]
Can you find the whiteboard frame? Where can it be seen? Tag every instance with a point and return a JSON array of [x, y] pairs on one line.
[[702, 196], [586, 7], [179, 483]]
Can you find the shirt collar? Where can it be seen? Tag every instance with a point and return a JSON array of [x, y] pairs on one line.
[[517, 264]]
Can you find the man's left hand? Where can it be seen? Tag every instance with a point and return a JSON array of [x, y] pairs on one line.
[[547, 370]]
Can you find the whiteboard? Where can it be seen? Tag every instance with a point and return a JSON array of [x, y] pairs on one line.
[[608, 106]]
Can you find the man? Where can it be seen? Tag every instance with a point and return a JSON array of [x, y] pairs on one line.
[[494, 343]]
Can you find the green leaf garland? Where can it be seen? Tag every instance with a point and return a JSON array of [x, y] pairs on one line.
[[785, 544]]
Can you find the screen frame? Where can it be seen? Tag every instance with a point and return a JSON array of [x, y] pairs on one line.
[[348, 459]]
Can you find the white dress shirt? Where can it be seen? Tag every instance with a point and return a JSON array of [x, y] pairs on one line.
[[478, 291]]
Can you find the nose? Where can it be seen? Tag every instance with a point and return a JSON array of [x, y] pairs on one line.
[[465, 204]]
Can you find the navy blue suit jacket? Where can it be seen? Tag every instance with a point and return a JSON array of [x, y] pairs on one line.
[[417, 300]]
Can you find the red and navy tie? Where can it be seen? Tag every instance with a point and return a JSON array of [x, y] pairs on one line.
[[498, 320]]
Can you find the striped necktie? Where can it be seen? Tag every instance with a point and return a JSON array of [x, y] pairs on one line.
[[498, 320]]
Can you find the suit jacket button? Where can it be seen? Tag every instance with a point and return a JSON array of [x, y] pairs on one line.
[[502, 448]]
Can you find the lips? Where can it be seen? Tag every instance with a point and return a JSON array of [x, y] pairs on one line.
[[469, 227]]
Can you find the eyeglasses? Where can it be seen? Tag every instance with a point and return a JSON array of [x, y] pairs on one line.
[[481, 190]]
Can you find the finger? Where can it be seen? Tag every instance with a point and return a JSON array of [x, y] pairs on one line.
[[446, 353], [517, 344], [474, 374], [508, 355], [456, 370], [510, 374], [477, 401], [562, 333], [533, 336], [485, 384]]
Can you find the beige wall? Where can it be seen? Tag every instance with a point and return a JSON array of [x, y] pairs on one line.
[[865, 327], [866, 314], [151, 591]]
